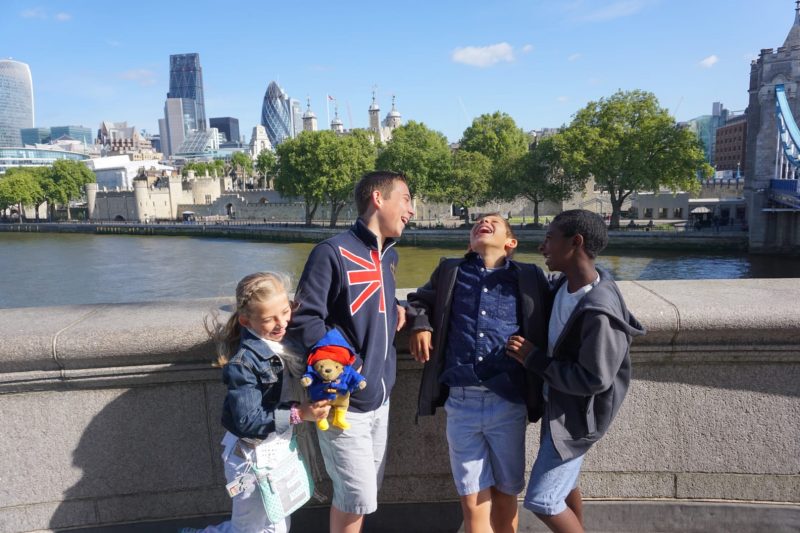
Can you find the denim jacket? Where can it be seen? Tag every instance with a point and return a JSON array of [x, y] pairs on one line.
[[254, 378]]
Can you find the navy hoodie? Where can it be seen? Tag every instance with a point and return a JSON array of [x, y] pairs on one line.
[[347, 285]]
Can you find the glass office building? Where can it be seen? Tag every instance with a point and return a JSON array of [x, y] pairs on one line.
[[186, 82], [78, 133], [32, 136], [34, 157], [16, 101], [276, 115]]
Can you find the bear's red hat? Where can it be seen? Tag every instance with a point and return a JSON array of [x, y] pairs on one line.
[[340, 354]]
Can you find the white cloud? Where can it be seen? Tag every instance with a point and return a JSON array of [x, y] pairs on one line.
[[709, 61], [574, 57], [484, 56], [63, 17], [562, 99], [615, 10], [528, 48], [142, 76], [34, 13]]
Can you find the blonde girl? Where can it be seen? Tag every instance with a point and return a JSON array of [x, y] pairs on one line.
[[262, 403]]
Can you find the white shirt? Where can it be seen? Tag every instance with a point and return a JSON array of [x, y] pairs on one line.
[[563, 306]]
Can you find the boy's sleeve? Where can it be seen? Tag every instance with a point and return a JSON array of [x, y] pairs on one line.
[[603, 347], [320, 279], [421, 303]]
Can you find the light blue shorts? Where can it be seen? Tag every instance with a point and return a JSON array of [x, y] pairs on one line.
[[486, 436], [355, 459], [552, 479]]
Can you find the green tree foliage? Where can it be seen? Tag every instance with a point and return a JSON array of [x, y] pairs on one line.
[[266, 166], [19, 187], [201, 168], [422, 155], [470, 180], [302, 168], [629, 143], [349, 158], [69, 179], [243, 166], [497, 137], [545, 173]]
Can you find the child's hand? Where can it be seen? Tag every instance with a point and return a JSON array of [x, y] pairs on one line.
[[519, 348], [419, 344], [311, 412], [401, 317]]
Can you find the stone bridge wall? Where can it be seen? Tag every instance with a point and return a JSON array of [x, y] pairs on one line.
[[110, 413]]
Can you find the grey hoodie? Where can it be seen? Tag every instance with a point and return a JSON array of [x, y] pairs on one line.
[[589, 373]]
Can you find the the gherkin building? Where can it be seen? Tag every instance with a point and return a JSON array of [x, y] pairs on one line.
[[276, 114]]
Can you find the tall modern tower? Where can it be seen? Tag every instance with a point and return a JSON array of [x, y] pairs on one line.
[[277, 115], [16, 101], [186, 82]]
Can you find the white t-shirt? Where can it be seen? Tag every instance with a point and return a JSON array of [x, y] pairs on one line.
[[563, 306]]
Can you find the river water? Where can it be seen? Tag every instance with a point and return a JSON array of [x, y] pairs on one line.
[[49, 269]]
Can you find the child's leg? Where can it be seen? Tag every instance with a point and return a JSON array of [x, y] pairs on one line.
[[504, 426], [505, 514], [552, 491], [486, 437], [477, 510]]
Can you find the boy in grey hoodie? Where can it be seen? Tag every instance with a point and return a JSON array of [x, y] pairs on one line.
[[584, 370]]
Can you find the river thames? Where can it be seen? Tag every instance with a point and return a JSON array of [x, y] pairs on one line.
[[64, 269]]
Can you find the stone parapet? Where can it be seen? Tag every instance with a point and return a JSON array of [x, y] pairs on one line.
[[110, 413]]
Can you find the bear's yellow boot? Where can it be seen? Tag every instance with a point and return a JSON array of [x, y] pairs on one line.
[[339, 421], [323, 424]]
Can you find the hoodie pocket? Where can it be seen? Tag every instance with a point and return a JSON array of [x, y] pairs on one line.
[[591, 421]]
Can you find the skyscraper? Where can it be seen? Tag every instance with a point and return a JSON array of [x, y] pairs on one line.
[[16, 101], [186, 82], [277, 115], [227, 125]]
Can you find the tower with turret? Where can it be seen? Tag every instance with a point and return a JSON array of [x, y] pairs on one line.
[[771, 228], [309, 118], [337, 126], [374, 115]]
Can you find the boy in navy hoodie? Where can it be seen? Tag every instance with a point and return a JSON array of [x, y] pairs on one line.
[[348, 284], [585, 365]]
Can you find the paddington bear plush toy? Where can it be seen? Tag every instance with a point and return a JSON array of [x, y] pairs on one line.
[[331, 376]]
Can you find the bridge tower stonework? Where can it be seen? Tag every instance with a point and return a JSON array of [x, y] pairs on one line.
[[771, 230]]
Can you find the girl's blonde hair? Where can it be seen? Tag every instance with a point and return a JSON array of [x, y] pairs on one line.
[[257, 287]]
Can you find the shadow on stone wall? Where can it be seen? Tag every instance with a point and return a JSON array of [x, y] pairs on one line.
[[147, 455]]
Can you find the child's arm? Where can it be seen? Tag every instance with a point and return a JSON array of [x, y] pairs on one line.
[[420, 307], [249, 418], [603, 347], [320, 279]]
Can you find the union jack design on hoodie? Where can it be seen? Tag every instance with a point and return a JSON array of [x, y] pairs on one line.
[[347, 284]]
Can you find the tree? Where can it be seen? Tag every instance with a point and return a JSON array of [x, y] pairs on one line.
[[349, 157], [629, 143], [470, 180], [301, 170], [65, 181], [497, 137], [19, 187], [243, 166], [545, 173], [266, 165], [421, 154]]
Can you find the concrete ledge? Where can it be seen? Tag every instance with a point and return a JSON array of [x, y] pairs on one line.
[[110, 415]]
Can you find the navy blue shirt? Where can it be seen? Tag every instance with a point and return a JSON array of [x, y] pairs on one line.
[[483, 316]]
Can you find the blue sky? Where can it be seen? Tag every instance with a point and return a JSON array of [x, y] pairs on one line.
[[446, 61]]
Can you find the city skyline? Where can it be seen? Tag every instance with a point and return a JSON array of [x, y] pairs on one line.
[[447, 63]]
